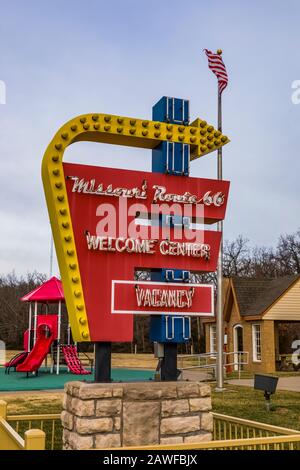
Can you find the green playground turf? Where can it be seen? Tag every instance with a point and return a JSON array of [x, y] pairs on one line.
[[15, 381]]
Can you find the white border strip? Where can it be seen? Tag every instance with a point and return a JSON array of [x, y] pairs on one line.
[[162, 284]]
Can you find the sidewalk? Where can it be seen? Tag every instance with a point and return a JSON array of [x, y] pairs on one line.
[[195, 375], [291, 384]]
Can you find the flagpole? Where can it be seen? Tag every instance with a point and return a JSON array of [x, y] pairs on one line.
[[220, 333], [51, 257]]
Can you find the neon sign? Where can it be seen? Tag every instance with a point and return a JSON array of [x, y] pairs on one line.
[[88, 274]]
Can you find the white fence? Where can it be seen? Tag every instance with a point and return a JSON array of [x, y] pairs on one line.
[[234, 359]]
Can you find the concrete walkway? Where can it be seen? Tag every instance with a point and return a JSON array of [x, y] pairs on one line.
[[195, 375], [291, 384]]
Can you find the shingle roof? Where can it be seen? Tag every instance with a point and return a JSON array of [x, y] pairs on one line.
[[254, 296]]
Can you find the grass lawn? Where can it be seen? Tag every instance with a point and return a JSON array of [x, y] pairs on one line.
[[244, 402], [236, 401], [36, 403], [32, 402], [250, 375], [136, 361]]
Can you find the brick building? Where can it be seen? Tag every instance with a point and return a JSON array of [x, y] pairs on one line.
[[262, 318]]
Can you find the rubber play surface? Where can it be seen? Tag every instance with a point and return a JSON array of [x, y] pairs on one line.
[[15, 381]]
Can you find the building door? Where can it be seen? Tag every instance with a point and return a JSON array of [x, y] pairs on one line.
[[238, 344]]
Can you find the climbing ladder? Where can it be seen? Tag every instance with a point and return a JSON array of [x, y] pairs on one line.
[[73, 361]]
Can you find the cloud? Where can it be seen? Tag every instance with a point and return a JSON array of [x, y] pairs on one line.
[[121, 58]]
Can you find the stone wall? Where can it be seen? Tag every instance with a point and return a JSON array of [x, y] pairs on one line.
[[133, 414]]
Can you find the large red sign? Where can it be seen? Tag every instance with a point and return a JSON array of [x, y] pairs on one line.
[[156, 298], [117, 217]]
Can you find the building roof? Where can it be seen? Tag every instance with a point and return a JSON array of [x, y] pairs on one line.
[[254, 296], [49, 291]]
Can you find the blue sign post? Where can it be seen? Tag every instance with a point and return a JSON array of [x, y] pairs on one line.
[[173, 159]]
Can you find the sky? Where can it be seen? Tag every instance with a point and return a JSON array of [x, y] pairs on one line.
[[60, 59]]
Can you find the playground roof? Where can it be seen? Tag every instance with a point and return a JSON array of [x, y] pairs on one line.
[[49, 291]]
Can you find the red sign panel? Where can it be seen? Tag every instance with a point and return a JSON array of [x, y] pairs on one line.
[[140, 187], [156, 298], [117, 222]]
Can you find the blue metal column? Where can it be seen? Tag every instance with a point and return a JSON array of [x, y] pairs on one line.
[[173, 159]]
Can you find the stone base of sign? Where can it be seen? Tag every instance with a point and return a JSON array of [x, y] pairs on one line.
[[135, 414]]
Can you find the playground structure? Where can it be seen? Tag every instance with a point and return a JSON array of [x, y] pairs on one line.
[[43, 335]]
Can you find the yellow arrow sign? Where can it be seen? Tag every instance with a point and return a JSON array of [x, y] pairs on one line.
[[201, 136], [208, 139]]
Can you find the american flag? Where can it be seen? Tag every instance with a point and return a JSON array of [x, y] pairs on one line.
[[216, 64]]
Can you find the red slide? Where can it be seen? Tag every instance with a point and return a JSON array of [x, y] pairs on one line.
[[73, 361], [45, 337], [17, 359]]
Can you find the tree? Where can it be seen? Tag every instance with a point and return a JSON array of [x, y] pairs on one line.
[[288, 253], [14, 314], [236, 257], [264, 263]]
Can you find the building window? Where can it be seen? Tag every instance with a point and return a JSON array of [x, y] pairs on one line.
[[213, 338], [256, 343]]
